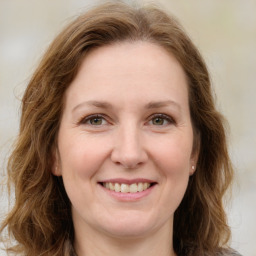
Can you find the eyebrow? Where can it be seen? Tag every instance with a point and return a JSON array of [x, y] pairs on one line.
[[98, 104], [106, 105], [160, 104]]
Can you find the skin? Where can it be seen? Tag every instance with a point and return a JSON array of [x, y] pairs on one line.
[[131, 86]]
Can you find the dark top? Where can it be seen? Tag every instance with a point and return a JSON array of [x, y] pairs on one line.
[[228, 252]]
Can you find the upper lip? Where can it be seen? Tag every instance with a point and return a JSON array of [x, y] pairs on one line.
[[127, 181]]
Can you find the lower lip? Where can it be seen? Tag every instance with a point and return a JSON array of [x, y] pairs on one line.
[[128, 197]]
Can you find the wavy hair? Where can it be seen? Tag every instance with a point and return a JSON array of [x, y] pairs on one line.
[[40, 221]]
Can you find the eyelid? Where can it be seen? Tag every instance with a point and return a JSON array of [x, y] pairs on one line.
[[164, 116], [84, 119]]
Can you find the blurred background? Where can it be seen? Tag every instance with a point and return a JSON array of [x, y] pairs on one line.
[[224, 32]]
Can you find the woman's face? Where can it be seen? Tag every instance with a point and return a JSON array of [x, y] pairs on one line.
[[126, 126]]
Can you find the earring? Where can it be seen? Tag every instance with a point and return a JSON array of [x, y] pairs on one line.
[[193, 170], [56, 169]]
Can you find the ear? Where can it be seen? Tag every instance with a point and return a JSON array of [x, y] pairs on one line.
[[195, 154], [192, 169], [56, 167], [193, 163]]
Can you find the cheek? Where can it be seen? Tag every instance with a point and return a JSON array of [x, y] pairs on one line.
[[82, 156], [175, 167], [173, 159], [173, 155], [79, 163]]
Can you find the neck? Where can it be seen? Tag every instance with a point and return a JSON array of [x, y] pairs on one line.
[[98, 244]]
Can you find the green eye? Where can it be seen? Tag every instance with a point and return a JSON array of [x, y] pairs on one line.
[[93, 120], [96, 121], [158, 121], [161, 120]]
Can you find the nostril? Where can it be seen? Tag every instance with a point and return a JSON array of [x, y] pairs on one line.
[[128, 153]]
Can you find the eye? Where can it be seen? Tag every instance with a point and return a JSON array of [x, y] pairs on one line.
[[93, 120], [158, 121], [161, 120], [96, 121]]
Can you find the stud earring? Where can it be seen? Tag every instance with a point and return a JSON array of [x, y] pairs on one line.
[[56, 169], [193, 170]]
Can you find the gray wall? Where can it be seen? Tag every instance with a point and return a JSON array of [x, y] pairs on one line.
[[224, 31]]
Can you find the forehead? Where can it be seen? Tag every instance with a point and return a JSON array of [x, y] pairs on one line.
[[142, 55], [130, 68]]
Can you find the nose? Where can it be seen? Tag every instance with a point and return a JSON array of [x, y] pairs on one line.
[[128, 150]]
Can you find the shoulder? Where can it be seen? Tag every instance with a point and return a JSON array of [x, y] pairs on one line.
[[228, 252]]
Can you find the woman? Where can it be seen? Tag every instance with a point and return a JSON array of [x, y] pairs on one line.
[[121, 150]]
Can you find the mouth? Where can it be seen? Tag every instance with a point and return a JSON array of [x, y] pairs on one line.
[[127, 187]]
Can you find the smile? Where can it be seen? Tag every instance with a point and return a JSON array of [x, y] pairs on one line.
[[127, 188]]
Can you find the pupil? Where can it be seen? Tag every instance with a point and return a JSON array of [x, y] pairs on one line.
[[96, 121], [158, 121]]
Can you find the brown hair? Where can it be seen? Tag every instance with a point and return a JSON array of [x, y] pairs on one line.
[[40, 220]]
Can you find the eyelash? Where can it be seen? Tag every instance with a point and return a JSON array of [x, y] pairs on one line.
[[165, 117], [84, 120]]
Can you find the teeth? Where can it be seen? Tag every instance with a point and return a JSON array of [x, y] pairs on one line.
[[133, 188], [111, 186], [125, 188], [145, 185], [117, 187], [140, 187]]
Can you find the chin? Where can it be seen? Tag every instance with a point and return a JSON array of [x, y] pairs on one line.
[[128, 232], [127, 227]]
